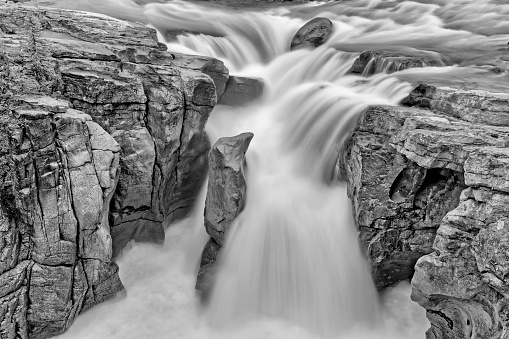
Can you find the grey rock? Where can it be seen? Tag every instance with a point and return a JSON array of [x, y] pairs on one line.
[[225, 199], [241, 90], [428, 187], [227, 185], [372, 62], [313, 34], [97, 115]]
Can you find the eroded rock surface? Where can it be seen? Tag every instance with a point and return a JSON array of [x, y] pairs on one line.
[[56, 185], [241, 90], [154, 103], [313, 34], [226, 193], [429, 185], [102, 137]]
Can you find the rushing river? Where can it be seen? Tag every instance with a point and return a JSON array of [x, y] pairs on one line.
[[292, 267]]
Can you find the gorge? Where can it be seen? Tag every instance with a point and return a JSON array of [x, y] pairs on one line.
[[155, 147]]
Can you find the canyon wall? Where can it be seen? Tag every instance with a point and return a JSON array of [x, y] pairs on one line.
[[428, 182], [102, 138]]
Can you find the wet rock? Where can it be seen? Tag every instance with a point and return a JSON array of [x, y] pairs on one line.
[[240, 91], [398, 203], [101, 138], [227, 185], [313, 34], [428, 186], [372, 62], [226, 193]]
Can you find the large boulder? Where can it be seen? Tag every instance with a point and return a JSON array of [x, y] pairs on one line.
[[428, 186], [58, 172], [225, 199], [313, 34]]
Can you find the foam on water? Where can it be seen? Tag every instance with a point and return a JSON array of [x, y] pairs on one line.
[[291, 266]]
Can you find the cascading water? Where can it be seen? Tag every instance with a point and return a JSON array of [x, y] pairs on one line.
[[291, 266]]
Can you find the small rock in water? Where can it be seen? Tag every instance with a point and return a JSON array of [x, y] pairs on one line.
[[312, 34]]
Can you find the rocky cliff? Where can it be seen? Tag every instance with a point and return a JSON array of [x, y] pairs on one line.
[[428, 182], [102, 138]]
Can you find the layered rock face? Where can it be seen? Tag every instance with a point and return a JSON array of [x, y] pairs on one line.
[[58, 172], [154, 103], [102, 137], [226, 193], [430, 180]]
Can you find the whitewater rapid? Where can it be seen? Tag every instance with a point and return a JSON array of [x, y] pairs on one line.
[[291, 266]]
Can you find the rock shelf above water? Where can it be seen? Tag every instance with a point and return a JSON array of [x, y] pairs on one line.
[[428, 184]]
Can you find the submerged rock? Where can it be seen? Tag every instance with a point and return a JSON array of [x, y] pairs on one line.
[[226, 193], [429, 184], [372, 62], [241, 90], [313, 34]]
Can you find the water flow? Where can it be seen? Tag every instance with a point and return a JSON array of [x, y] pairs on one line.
[[291, 266]]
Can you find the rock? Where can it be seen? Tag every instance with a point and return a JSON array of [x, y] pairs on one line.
[[154, 103], [240, 91], [398, 203], [313, 34], [227, 185], [226, 193], [428, 184], [373, 62], [475, 106], [53, 216], [101, 138]]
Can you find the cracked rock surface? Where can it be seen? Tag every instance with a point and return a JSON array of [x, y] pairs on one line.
[[226, 194], [428, 183], [102, 138]]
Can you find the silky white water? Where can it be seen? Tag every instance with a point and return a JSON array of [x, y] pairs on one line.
[[291, 266]]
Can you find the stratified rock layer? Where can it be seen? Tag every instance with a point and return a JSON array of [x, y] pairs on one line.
[[155, 104], [429, 186], [102, 137], [313, 34], [226, 193]]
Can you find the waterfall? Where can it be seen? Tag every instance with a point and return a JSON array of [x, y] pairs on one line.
[[291, 266]]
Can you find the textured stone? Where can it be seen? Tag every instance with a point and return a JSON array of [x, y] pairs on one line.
[[313, 34], [428, 183], [240, 91], [227, 186], [225, 199], [90, 101], [373, 62]]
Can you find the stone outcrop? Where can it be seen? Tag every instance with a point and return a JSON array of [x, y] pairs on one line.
[[102, 137], [313, 34], [241, 91], [372, 62], [429, 186], [226, 193], [154, 103], [58, 172]]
